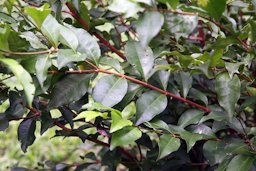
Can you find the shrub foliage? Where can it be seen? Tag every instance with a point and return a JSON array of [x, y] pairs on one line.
[[153, 84]]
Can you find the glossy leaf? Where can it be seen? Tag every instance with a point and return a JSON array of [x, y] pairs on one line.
[[90, 115], [33, 40], [167, 145], [215, 8], [190, 139], [240, 163], [125, 136], [191, 116], [129, 110], [228, 91], [66, 56], [142, 59], [87, 44], [43, 63], [50, 29], [118, 122], [149, 105], [22, 76], [184, 81], [215, 115], [110, 90], [70, 88], [68, 37], [152, 20]]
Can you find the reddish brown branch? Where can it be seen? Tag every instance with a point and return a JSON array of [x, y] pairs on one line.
[[85, 26], [141, 83]]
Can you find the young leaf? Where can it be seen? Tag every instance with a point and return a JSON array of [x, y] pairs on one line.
[[22, 76], [125, 136], [149, 105], [70, 88], [129, 111], [240, 163], [50, 29], [118, 122], [90, 115], [38, 14], [152, 20], [26, 133], [141, 58], [110, 90], [43, 63], [191, 116], [167, 145], [228, 91]]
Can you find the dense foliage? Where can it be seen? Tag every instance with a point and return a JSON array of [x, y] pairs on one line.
[[153, 84]]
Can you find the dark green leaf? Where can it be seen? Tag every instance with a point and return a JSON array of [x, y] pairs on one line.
[[184, 81], [149, 105], [228, 91], [191, 116], [190, 139], [215, 8], [70, 88], [167, 144], [26, 133]]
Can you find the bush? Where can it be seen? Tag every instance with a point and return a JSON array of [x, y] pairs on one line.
[[153, 84]]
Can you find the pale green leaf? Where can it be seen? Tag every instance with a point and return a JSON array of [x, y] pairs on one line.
[[152, 20], [129, 110], [43, 63], [125, 136], [50, 29], [90, 115], [66, 56], [68, 37], [22, 76], [118, 122]]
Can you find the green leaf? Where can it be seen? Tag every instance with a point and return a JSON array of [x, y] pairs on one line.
[[167, 144], [228, 91], [142, 59], [50, 29], [125, 136], [215, 8], [22, 76], [129, 8], [66, 56], [90, 115], [68, 37], [190, 139], [84, 12], [184, 81], [43, 63], [38, 14], [87, 44], [158, 124], [4, 35], [214, 151], [198, 95], [189, 117], [149, 105], [152, 20], [240, 163], [110, 90], [181, 25], [233, 68], [129, 111], [215, 115], [69, 89], [216, 57], [114, 63], [253, 31], [26, 134], [33, 40], [118, 122]]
